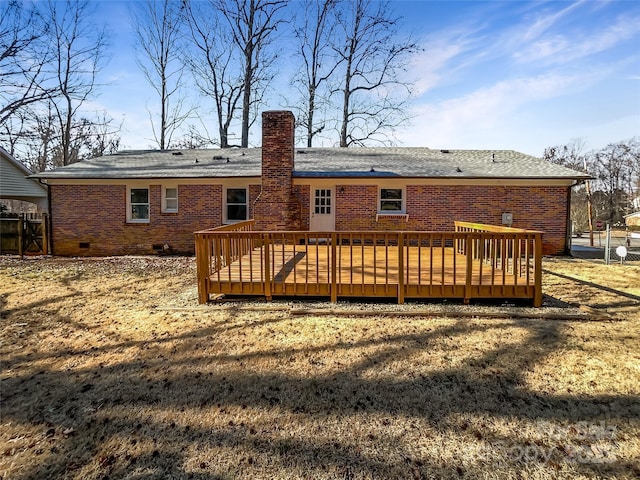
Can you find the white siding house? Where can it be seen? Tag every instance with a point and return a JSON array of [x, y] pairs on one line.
[[14, 184]]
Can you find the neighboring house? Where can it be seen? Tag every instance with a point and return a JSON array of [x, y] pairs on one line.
[[632, 220], [14, 184], [144, 201]]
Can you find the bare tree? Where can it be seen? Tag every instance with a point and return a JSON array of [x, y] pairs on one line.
[[102, 136], [252, 25], [632, 161], [315, 36], [372, 54], [78, 52], [214, 63], [616, 177], [193, 138], [158, 29], [614, 168], [52, 129], [38, 141], [41, 146], [572, 155], [13, 129], [23, 59]]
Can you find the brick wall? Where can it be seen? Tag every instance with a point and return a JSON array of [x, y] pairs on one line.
[[433, 207], [303, 195], [97, 215]]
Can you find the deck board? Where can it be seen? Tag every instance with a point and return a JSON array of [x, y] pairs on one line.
[[368, 265]]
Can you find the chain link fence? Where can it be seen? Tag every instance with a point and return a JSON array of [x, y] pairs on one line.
[[609, 246], [623, 248]]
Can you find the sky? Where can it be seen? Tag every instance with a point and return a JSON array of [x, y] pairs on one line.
[[514, 75]]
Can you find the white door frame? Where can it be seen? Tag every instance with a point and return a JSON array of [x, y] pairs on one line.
[[322, 217]]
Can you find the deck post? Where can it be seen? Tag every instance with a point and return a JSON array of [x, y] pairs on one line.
[[230, 244], [334, 267], [537, 301], [202, 261], [266, 238], [469, 273], [401, 267]]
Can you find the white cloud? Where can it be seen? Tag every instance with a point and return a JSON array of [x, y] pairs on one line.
[[426, 69], [545, 22], [563, 48], [445, 54], [485, 117]]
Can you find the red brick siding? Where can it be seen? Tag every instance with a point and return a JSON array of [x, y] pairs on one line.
[[303, 194], [356, 208], [97, 214], [432, 207], [254, 192]]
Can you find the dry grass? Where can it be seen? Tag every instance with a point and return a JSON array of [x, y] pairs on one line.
[[105, 375]]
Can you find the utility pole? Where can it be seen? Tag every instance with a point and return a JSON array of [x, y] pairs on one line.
[[587, 185]]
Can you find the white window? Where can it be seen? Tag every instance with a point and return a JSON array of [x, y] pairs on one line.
[[170, 200], [236, 205], [391, 200], [322, 201], [138, 205]]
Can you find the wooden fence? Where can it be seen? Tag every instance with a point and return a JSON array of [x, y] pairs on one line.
[[24, 234], [475, 261]]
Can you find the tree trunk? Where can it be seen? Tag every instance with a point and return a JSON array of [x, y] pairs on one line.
[[246, 105], [248, 77], [66, 143], [310, 118], [163, 112], [345, 112]]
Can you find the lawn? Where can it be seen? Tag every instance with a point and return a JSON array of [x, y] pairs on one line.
[[110, 369]]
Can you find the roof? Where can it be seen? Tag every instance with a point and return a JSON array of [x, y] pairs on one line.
[[631, 215], [14, 183], [317, 162]]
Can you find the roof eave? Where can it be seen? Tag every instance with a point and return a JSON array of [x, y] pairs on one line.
[[132, 177]]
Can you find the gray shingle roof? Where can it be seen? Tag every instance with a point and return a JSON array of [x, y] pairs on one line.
[[318, 162]]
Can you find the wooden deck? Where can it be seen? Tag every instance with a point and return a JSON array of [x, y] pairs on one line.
[[469, 263]]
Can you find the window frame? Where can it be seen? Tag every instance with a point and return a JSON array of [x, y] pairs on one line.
[[226, 220], [131, 204], [402, 200], [327, 197], [165, 208]]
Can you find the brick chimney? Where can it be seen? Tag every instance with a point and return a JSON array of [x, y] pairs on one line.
[[277, 208]]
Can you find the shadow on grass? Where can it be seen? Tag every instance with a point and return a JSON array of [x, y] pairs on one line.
[[636, 298], [117, 424], [5, 312]]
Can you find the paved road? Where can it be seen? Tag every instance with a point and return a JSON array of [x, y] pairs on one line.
[[580, 246]]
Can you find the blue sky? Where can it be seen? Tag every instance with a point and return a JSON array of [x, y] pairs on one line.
[[496, 75]]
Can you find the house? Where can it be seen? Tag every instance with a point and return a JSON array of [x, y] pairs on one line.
[[632, 220], [140, 202], [14, 184]]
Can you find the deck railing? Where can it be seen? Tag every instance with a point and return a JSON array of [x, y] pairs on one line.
[[473, 262], [513, 251]]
